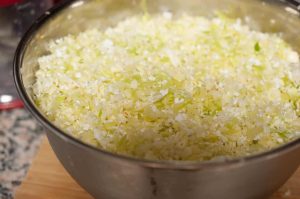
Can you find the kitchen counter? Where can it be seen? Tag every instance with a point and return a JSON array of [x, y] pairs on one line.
[[20, 137]]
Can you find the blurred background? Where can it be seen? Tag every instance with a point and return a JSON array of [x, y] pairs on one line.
[[20, 136], [15, 18]]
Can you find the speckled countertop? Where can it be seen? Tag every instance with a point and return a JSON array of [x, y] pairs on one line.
[[20, 136]]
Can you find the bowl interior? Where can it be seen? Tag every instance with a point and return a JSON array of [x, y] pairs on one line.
[[268, 16]]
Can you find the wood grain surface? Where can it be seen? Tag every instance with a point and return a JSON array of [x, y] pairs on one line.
[[47, 179]]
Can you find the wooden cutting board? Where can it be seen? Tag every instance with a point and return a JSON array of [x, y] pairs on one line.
[[47, 179]]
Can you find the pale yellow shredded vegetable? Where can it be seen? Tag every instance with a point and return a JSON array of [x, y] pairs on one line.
[[166, 88]]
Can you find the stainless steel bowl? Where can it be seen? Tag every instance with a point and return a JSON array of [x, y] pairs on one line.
[[106, 175]]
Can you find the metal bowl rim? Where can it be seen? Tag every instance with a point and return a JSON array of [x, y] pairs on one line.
[[160, 164]]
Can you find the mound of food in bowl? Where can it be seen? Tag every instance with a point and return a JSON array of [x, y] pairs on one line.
[[167, 87]]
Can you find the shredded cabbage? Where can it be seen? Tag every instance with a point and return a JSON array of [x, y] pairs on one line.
[[173, 88]]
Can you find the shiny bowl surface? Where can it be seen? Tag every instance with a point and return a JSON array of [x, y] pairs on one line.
[[110, 176]]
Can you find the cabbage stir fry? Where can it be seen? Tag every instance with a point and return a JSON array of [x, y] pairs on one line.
[[173, 88]]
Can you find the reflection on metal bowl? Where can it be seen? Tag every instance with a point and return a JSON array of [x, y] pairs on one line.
[[107, 175]]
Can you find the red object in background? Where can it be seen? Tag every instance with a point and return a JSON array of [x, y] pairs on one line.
[[11, 105], [4, 3]]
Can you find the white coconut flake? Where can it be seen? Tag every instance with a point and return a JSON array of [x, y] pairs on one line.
[[293, 57], [164, 92], [167, 15], [178, 100]]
